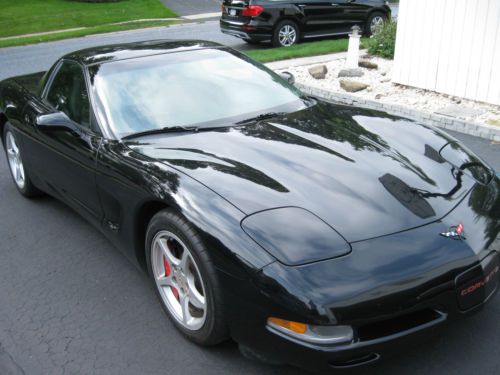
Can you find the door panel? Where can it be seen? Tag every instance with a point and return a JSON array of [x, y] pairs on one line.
[[65, 158], [69, 158], [354, 12], [333, 17], [320, 16]]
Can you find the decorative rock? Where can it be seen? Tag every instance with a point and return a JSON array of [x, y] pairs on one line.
[[379, 96], [386, 79], [351, 73], [367, 64], [352, 86], [318, 72]]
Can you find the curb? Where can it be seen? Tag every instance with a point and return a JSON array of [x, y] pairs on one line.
[[484, 131]]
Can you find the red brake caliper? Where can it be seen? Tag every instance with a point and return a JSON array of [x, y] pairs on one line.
[[167, 273]]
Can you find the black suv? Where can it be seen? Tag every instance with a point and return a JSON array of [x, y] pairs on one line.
[[286, 22]]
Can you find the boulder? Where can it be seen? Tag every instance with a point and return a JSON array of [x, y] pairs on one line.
[[318, 72], [367, 64], [351, 73], [352, 86]]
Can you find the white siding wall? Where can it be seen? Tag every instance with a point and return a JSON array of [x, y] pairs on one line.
[[450, 46]]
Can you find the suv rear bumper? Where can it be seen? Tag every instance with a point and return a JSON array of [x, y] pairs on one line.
[[251, 31]]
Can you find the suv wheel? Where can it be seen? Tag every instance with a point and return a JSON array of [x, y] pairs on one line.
[[375, 23], [286, 34]]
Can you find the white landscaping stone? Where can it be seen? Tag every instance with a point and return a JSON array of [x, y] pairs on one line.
[[389, 93]]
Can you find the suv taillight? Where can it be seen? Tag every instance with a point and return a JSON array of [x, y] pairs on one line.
[[252, 11]]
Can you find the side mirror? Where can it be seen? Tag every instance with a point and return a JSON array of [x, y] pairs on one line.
[[289, 77], [56, 121], [10, 110]]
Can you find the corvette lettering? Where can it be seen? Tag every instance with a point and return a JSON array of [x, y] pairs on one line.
[[480, 284]]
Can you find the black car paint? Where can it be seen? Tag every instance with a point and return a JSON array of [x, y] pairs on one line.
[[397, 267], [314, 18]]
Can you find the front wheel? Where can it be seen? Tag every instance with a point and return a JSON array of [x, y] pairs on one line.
[[286, 34], [185, 278]]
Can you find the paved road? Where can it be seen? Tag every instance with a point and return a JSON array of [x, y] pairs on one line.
[[33, 58], [190, 7]]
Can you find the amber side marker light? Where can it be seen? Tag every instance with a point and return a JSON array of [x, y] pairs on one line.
[[296, 327], [324, 335]]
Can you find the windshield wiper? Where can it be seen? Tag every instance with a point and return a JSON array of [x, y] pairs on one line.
[[263, 116], [167, 129]]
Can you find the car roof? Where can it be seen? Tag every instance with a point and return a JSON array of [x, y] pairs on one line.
[[115, 52]]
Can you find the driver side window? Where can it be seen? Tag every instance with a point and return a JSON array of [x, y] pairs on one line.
[[68, 93]]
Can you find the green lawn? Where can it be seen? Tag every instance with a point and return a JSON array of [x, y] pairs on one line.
[[322, 47], [83, 32], [19, 17]]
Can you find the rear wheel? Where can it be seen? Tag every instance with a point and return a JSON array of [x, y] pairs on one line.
[[16, 164], [375, 23], [185, 278], [286, 34]]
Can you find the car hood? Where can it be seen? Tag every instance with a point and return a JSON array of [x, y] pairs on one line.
[[365, 173]]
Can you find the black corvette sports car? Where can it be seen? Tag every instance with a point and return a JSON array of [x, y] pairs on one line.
[[311, 233]]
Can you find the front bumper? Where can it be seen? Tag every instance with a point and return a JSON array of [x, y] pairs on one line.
[[380, 336], [392, 290]]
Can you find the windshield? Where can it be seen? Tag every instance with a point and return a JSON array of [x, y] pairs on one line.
[[202, 88]]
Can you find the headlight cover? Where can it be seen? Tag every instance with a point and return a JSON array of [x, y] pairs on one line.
[[295, 236]]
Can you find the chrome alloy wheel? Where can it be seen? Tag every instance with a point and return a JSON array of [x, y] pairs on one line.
[[377, 24], [15, 161], [287, 36], [179, 281]]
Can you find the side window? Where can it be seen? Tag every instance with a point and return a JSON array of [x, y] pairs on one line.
[[68, 93]]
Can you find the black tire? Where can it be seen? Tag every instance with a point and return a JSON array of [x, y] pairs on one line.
[[29, 190], [214, 329], [276, 33], [371, 18]]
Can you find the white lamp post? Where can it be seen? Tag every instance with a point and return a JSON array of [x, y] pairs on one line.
[[353, 50]]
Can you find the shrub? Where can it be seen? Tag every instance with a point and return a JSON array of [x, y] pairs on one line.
[[383, 42]]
